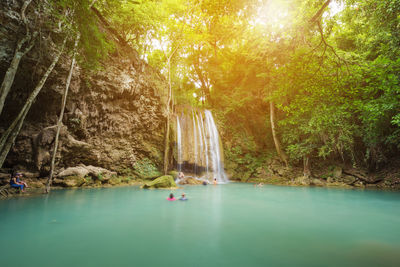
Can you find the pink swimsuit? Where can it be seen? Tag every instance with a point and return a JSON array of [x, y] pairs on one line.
[[171, 199]]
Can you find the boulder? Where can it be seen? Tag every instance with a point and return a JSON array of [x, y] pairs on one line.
[[302, 180], [82, 171], [330, 180], [348, 179], [74, 171], [317, 182], [165, 181]]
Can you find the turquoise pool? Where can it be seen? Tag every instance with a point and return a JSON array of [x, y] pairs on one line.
[[224, 225]]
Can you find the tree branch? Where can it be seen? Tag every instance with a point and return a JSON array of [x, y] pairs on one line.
[[320, 12]]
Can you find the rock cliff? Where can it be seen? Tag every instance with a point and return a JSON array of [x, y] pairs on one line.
[[114, 116]]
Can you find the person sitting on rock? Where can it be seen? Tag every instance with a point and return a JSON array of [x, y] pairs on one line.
[[16, 183], [171, 197], [20, 175], [181, 175], [183, 197]]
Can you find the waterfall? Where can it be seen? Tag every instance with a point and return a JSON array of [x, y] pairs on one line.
[[218, 165], [199, 154]]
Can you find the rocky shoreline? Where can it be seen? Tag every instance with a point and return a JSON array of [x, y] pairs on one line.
[[97, 177], [329, 175]]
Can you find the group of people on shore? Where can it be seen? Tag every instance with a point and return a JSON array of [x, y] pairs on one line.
[[16, 182]]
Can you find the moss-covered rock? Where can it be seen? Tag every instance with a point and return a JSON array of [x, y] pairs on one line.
[[70, 181], [114, 180], [166, 181], [190, 181], [173, 173]]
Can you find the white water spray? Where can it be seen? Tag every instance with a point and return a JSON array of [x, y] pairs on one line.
[[206, 162]]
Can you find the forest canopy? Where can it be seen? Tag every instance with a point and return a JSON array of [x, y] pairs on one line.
[[314, 79]]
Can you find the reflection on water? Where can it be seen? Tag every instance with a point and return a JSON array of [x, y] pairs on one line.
[[224, 225]]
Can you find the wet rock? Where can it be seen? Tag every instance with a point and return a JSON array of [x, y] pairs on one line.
[[166, 181]]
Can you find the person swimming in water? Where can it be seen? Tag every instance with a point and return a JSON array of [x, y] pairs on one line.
[[215, 181], [183, 197], [171, 197]]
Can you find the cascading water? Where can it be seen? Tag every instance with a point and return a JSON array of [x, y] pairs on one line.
[[198, 146]]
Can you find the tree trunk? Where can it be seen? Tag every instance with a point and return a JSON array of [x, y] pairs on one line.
[[9, 136], [18, 54], [280, 152], [166, 140], [12, 137], [306, 166], [59, 123], [320, 11]]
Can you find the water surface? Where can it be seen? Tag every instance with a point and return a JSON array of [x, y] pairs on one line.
[[224, 225]]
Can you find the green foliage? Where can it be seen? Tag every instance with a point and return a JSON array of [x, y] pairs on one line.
[[334, 81], [76, 16], [146, 169]]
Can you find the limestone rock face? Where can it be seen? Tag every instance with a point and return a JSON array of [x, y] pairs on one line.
[[114, 117], [166, 181]]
